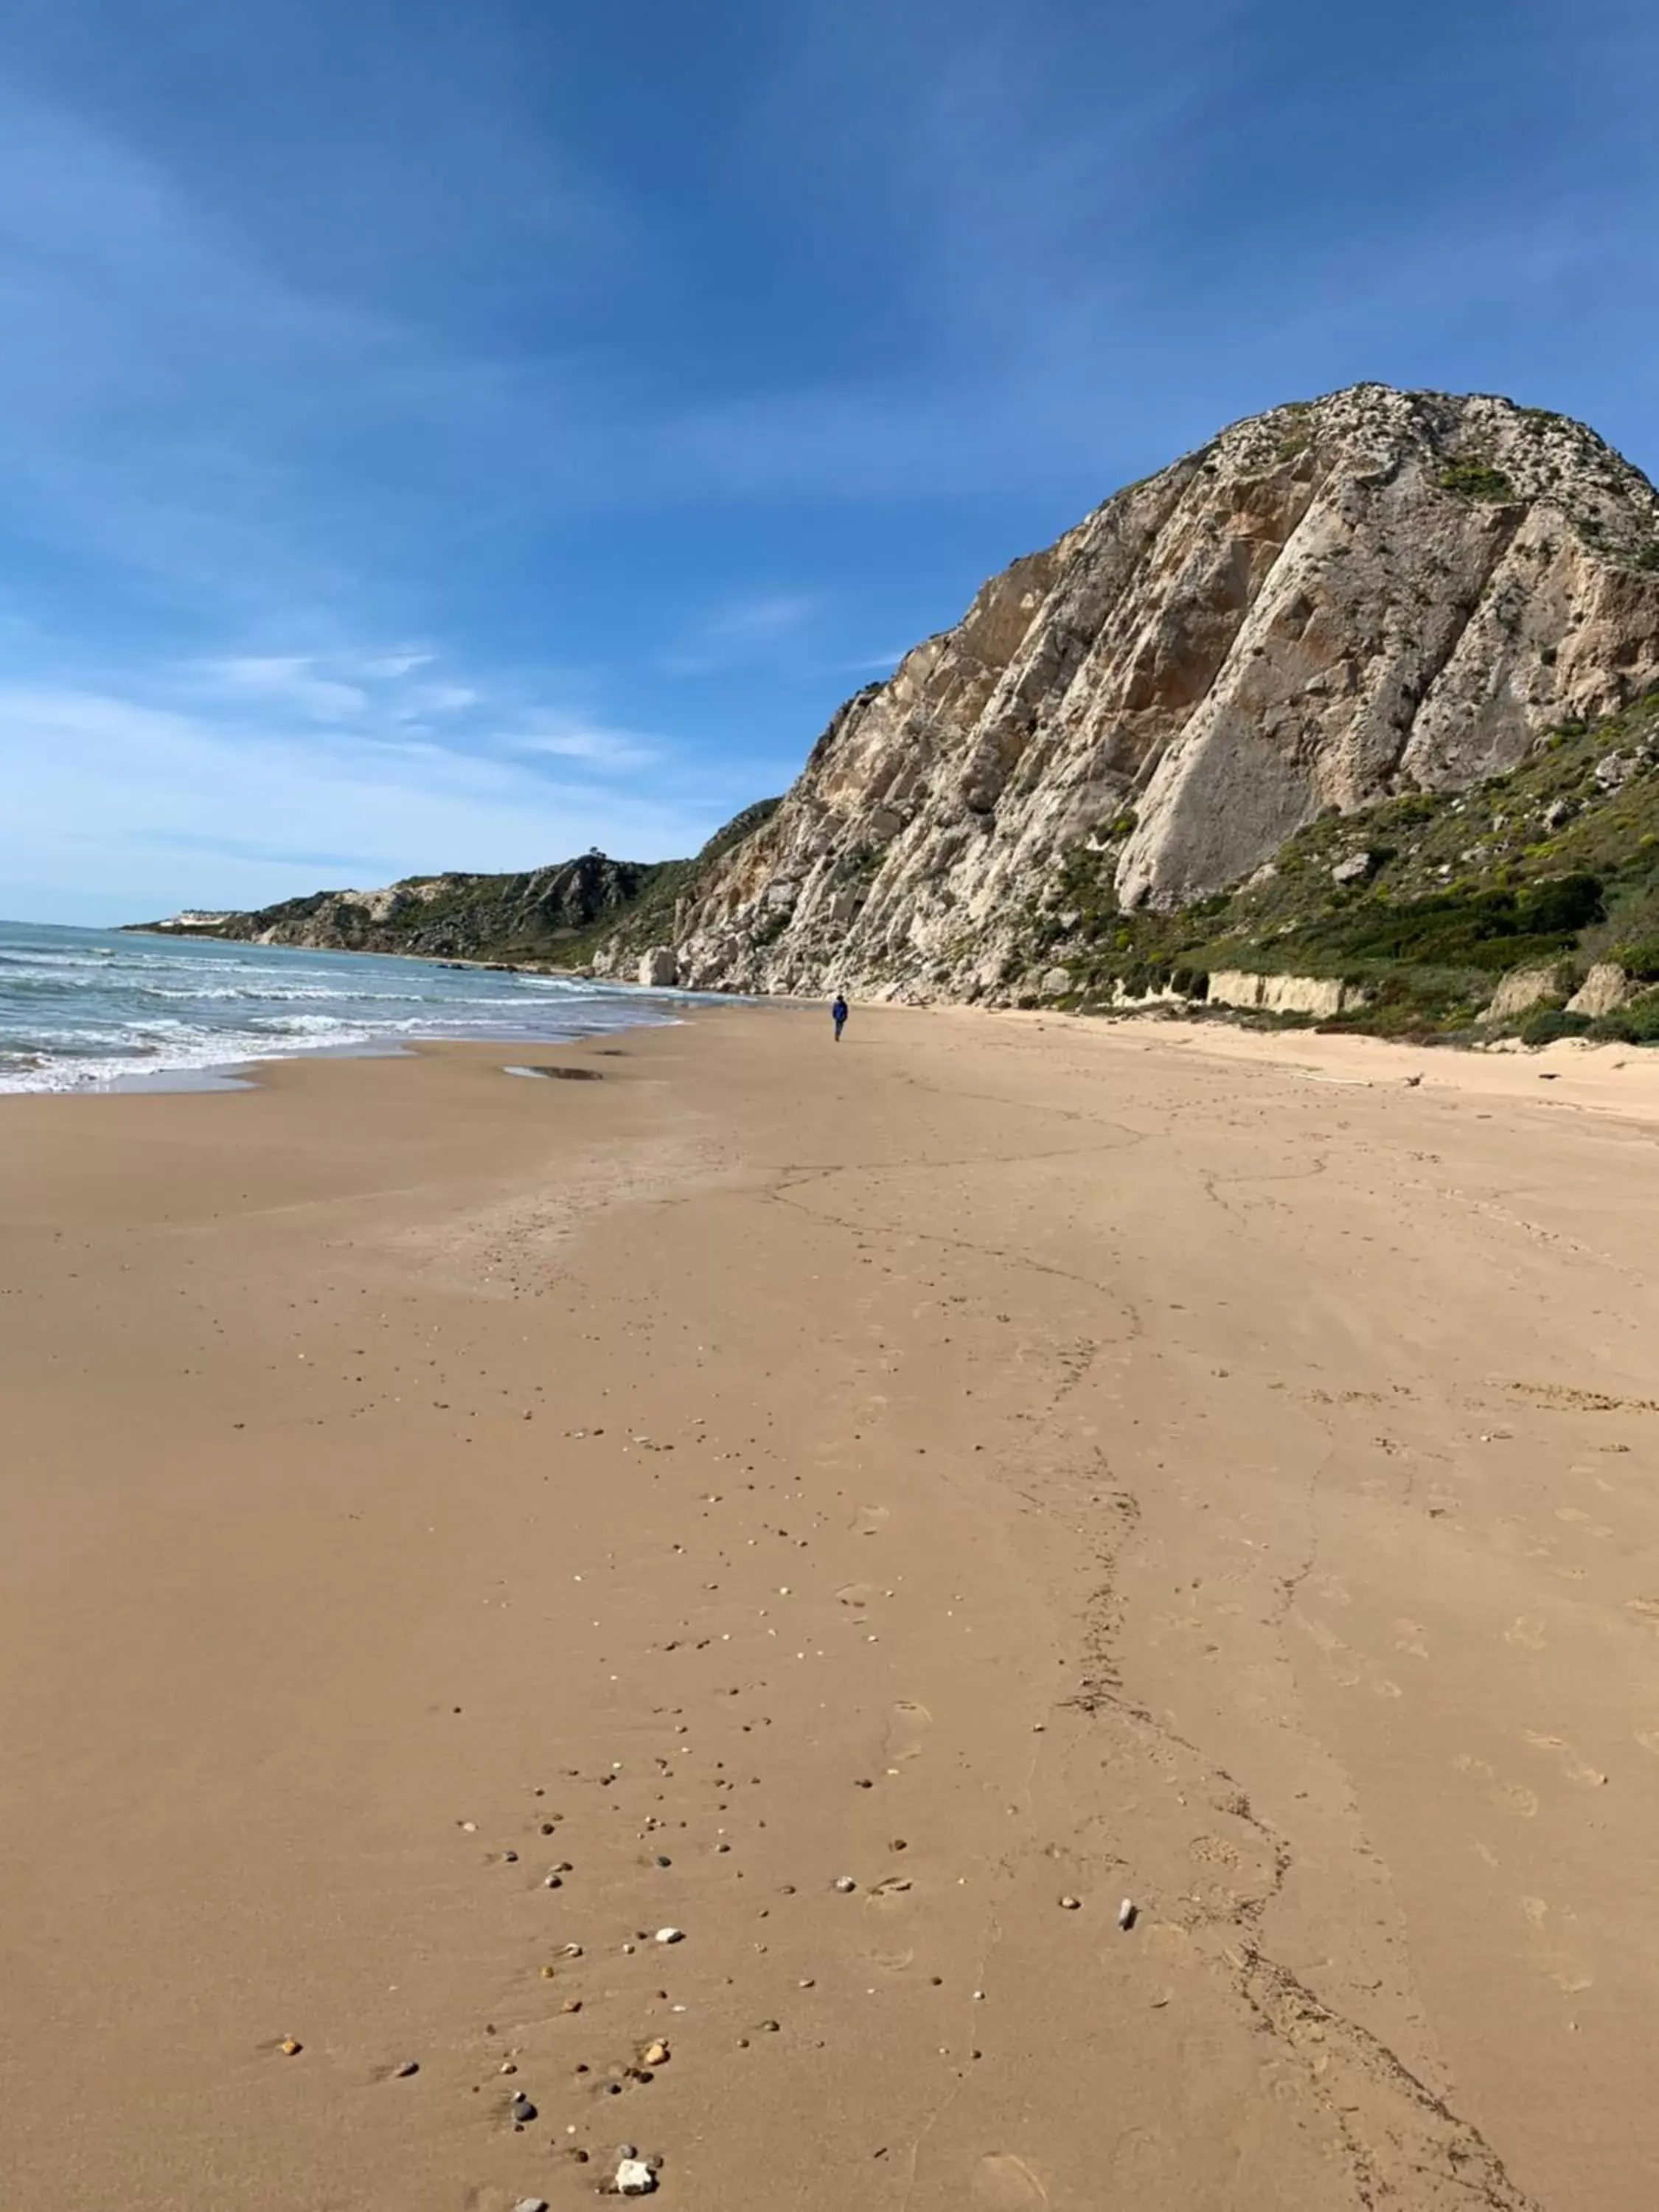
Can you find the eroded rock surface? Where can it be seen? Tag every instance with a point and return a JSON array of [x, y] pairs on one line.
[[1371, 592]]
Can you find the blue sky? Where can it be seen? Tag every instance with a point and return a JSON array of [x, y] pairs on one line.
[[453, 436]]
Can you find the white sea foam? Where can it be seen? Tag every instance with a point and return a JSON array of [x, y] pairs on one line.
[[81, 1008]]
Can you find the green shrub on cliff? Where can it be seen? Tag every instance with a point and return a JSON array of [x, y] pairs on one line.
[[1557, 860]]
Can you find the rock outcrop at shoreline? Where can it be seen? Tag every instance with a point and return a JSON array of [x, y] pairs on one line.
[[1371, 594]]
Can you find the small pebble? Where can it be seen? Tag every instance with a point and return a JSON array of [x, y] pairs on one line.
[[663, 1861], [671, 1935], [523, 2110], [846, 1884], [289, 2048], [1070, 1903], [1127, 1915], [531, 2204], [571, 2004], [410, 2066], [634, 2178], [509, 1858], [654, 2054]]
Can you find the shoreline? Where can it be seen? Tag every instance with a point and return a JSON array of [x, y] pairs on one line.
[[935, 1463], [86, 1014]]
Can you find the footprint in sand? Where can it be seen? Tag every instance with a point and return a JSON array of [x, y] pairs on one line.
[[1511, 1797], [1003, 2183], [1558, 1956], [1527, 1632], [906, 1731], [1508, 1796], [1591, 1777], [894, 1891], [858, 1595]]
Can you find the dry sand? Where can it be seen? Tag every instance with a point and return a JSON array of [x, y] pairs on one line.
[[997, 1462]]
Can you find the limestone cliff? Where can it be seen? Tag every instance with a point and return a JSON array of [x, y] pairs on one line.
[[1369, 594]]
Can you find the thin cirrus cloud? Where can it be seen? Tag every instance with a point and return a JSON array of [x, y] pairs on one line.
[[744, 630], [220, 774], [117, 799], [592, 745]]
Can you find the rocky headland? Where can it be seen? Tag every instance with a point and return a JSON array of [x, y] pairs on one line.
[[1375, 601]]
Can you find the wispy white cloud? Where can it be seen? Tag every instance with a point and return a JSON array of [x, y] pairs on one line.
[[744, 629], [287, 680], [593, 745], [147, 808]]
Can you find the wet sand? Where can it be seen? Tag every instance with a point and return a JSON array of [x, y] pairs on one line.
[[994, 1462]]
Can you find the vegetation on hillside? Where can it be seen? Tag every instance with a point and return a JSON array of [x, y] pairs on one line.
[[1422, 901], [555, 917]]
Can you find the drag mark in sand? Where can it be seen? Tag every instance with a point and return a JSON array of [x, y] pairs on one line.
[[1394, 2130]]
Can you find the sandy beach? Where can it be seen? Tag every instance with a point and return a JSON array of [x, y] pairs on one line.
[[455, 1528]]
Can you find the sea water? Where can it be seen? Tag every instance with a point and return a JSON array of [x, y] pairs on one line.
[[80, 1007]]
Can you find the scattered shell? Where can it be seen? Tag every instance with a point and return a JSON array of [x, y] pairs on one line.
[[1070, 1903], [289, 2047], [845, 1884], [671, 1935], [634, 2178], [1126, 1914]]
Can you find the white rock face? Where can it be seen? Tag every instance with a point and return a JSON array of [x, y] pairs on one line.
[[658, 969], [1606, 988], [1521, 990], [1322, 996], [1378, 592]]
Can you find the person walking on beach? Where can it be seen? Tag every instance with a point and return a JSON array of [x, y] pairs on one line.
[[838, 1015]]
